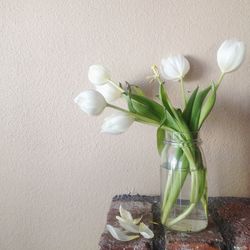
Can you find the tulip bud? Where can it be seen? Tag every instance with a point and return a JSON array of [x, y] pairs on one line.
[[109, 92], [175, 67], [91, 102], [230, 55], [98, 74], [117, 123]]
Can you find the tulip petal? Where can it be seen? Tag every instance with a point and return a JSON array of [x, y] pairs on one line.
[[125, 214], [137, 220], [230, 55], [109, 92], [120, 235], [117, 123], [175, 67], [91, 102], [120, 218], [129, 226], [145, 231], [98, 74]]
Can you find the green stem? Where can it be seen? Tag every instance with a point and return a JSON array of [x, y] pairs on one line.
[[161, 82], [182, 216], [219, 81], [116, 86], [174, 186], [184, 98], [198, 187], [177, 183], [139, 118]]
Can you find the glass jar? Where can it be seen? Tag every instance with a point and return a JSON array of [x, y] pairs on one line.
[[183, 183]]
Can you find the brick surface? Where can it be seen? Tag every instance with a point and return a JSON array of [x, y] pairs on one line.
[[137, 208], [228, 228], [233, 218], [208, 239]]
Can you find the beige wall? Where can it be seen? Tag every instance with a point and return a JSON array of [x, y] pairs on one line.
[[58, 173]]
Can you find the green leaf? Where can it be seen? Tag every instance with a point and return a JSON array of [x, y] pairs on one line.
[[160, 139], [162, 95], [208, 105], [196, 109], [164, 99], [145, 107], [188, 109]]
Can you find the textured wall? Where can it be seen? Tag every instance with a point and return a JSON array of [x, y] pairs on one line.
[[58, 173]]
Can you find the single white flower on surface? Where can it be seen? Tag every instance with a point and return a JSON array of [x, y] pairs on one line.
[[125, 215], [132, 230], [117, 123], [145, 231], [175, 67], [91, 102], [230, 55], [120, 235], [109, 91], [98, 74], [129, 226]]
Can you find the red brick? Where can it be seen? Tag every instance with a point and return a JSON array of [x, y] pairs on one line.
[[208, 239], [233, 218]]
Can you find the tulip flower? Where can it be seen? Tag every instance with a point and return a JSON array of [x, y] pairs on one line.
[[230, 55], [109, 91], [175, 67], [117, 123], [98, 74], [91, 102], [130, 230]]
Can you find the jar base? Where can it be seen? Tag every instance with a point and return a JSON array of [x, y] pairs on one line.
[[188, 225]]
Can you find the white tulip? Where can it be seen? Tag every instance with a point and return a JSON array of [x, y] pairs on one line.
[[230, 55], [109, 92], [130, 228], [117, 123], [175, 67], [91, 102], [98, 74]]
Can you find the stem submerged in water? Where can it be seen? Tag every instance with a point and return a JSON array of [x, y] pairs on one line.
[[189, 161]]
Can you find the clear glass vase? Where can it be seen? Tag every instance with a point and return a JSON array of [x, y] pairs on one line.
[[183, 183]]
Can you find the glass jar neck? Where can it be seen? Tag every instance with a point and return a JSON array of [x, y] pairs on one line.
[[182, 138]]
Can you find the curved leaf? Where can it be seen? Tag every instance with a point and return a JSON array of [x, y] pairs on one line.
[[196, 109], [146, 107], [164, 99], [188, 109], [207, 106]]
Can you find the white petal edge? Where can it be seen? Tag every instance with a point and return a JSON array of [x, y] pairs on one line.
[[135, 221], [129, 227], [125, 214], [120, 235], [145, 231]]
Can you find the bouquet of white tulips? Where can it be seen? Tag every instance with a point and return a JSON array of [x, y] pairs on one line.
[[161, 113]]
